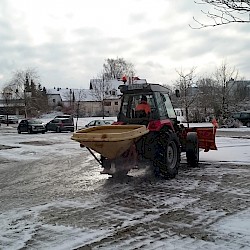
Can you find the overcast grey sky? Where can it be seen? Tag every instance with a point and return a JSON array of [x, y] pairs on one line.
[[67, 41]]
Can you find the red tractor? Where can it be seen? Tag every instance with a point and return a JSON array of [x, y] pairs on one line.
[[161, 147]]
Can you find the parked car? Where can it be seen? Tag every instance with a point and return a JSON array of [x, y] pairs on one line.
[[243, 117], [2, 118], [65, 116], [31, 126], [99, 123], [11, 119], [60, 124]]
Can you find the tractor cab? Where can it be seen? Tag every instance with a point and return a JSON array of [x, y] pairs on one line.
[[161, 109]]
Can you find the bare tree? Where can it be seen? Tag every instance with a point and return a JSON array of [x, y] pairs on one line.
[[112, 69], [224, 75], [224, 12], [208, 96], [185, 85], [25, 87], [116, 68], [218, 95], [101, 90], [79, 96]]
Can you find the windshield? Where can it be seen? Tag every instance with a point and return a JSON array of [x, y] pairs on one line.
[[130, 102], [164, 104]]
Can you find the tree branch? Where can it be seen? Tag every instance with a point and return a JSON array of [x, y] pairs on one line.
[[224, 12]]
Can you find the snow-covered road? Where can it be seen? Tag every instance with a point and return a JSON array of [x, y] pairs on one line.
[[53, 197]]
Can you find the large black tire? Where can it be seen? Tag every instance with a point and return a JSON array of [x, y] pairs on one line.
[[192, 149], [167, 155]]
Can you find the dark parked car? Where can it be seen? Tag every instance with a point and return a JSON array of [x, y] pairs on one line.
[[243, 117], [60, 124], [65, 116], [31, 126], [99, 123]]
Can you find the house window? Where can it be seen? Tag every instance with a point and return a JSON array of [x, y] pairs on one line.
[[107, 103], [112, 92], [116, 103], [54, 100]]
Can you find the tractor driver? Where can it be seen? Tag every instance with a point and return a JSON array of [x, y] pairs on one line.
[[143, 106]]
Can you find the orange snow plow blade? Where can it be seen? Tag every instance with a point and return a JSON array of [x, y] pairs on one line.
[[110, 141], [206, 137]]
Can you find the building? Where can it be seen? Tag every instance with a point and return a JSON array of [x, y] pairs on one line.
[[12, 105], [103, 98], [240, 86], [95, 101]]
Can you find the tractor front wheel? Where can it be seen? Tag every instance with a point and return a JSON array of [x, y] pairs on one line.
[[167, 156]]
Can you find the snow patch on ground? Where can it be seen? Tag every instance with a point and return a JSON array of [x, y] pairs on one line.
[[18, 227], [230, 150], [236, 228], [22, 227]]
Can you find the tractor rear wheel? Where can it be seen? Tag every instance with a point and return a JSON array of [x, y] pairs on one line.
[[192, 149], [167, 156]]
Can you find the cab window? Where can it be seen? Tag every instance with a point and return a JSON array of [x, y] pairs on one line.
[[131, 101], [169, 107], [165, 106], [161, 104]]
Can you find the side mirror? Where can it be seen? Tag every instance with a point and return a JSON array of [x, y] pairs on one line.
[[177, 93]]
